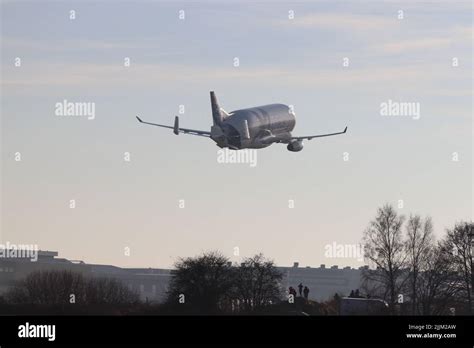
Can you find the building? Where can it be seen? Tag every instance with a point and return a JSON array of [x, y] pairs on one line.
[[152, 283], [322, 282]]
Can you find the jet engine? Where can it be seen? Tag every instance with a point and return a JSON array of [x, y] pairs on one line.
[[295, 146]]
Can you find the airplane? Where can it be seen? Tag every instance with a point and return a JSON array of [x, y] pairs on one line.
[[251, 128]]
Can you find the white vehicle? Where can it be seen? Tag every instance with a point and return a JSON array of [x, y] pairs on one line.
[[362, 306]]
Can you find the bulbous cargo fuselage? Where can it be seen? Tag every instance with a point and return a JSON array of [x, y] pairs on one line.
[[258, 127]]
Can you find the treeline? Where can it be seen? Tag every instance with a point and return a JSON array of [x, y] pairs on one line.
[[210, 284], [415, 273], [207, 284], [67, 292]]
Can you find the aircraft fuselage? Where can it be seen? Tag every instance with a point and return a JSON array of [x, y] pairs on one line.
[[255, 127]]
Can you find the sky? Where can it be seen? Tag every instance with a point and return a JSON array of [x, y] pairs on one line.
[[128, 213]]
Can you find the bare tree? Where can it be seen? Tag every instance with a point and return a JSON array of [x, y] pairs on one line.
[[257, 283], [201, 284], [48, 288], [109, 291], [419, 244], [437, 284], [384, 249], [57, 288], [457, 247]]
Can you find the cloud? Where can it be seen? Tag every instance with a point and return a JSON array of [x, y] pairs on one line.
[[457, 34], [370, 28], [106, 77], [336, 21], [418, 44], [14, 44]]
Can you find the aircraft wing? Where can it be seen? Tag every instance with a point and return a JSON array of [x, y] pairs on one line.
[[309, 137], [176, 129]]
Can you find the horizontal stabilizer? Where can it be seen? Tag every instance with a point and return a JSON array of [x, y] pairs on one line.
[[176, 129]]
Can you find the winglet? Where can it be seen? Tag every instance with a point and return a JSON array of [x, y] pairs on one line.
[[345, 129], [139, 119], [176, 125]]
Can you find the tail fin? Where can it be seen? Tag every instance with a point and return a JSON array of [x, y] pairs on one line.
[[216, 110]]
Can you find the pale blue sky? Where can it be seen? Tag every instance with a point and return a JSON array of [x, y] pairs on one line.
[[177, 62]]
